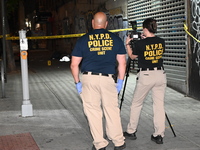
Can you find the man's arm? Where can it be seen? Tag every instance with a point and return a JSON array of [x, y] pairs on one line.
[[75, 61], [121, 66]]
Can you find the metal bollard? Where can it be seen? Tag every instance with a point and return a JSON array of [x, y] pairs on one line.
[[27, 108]]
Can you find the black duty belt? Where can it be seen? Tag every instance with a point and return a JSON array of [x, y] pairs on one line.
[[94, 73], [146, 69]]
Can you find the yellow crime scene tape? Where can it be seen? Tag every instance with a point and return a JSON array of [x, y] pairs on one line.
[[58, 36], [186, 30], [8, 37]]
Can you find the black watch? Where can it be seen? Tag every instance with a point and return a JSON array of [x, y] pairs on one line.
[[76, 82]]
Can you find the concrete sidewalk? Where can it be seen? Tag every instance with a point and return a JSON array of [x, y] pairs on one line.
[[59, 123]]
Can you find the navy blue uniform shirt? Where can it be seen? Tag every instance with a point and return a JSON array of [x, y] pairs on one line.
[[98, 49], [150, 51]]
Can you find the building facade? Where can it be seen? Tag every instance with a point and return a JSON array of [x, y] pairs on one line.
[[182, 56]]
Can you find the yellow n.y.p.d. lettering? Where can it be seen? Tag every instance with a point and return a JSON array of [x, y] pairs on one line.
[[96, 36], [107, 36], [148, 47], [101, 36], [160, 46], [91, 37], [154, 46]]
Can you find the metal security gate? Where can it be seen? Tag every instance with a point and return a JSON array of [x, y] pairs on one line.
[[170, 16]]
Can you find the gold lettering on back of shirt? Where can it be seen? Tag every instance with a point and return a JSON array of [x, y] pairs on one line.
[[101, 43], [154, 52], [91, 37], [101, 53]]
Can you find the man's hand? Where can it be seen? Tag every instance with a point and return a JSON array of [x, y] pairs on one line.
[[119, 85], [79, 87]]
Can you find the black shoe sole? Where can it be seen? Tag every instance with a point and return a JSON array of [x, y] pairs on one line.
[[129, 136], [93, 148], [120, 147], [158, 142]]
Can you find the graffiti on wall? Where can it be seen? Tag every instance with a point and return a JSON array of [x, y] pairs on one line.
[[195, 9], [83, 24], [80, 25], [117, 22], [89, 17]]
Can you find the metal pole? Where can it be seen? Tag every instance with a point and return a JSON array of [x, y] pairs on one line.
[[170, 125], [4, 46], [2, 80], [127, 75], [27, 109]]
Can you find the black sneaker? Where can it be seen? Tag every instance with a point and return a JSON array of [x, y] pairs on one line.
[[93, 148], [158, 139], [120, 147], [131, 136]]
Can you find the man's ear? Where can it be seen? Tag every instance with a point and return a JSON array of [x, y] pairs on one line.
[[106, 24], [144, 29], [93, 23]]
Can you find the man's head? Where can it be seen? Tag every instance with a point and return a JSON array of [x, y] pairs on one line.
[[99, 21]]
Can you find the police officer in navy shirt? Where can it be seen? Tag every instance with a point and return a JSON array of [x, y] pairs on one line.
[[98, 51], [151, 77]]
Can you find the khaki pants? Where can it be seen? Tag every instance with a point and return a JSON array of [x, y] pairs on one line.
[[154, 80], [100, 97]]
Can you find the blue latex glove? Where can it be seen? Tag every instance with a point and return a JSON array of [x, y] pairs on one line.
[[119, 85], [79, 87]]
